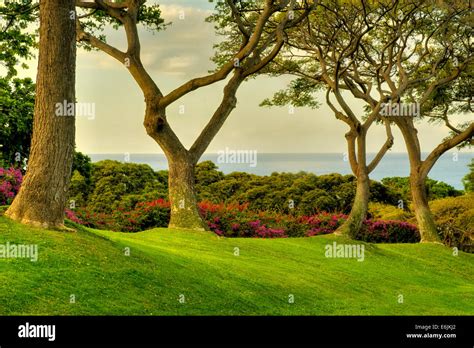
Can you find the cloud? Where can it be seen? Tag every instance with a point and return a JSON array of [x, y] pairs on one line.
[[184, 48]]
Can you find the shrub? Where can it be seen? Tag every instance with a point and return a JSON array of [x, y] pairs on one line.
[[78, 189], [380, 211], [71, 215], [388, 232], [143, 216], [236, 220], [129, 202], [112, 181], [10, 182], [454, 217], [434, 189]]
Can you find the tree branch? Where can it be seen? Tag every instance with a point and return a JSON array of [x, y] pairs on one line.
[[446, 145]]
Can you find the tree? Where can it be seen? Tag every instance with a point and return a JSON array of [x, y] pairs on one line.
[[259, 29], [416, 56], [17, 99], [323, 56], [42, 197], [16, 95], [405, 52]]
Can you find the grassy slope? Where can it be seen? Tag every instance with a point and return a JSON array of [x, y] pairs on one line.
[[166, 263]]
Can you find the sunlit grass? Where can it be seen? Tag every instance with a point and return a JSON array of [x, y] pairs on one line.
[[219, 276]]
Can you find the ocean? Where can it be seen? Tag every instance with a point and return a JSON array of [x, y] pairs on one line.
[[450, 168]]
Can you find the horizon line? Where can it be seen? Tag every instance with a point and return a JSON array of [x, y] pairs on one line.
[[266, 153]]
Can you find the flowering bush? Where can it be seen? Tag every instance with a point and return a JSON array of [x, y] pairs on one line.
[[72, 216], [143, 216], [236, 220], [322, 223], [388, 231], [10, 182]]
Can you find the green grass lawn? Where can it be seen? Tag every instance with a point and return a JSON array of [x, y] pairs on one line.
[[164, 264]]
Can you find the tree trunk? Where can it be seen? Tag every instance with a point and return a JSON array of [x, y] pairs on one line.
[[181, 183], [426, 223], [42, 197], [181, 186], [358, 213], [424, 218]]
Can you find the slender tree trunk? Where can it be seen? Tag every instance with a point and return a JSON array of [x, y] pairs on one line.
[[358, 213], [424, 218], [359, 209], [42, 197], [426, 223]]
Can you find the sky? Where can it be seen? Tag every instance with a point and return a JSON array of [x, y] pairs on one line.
[[183, 52]]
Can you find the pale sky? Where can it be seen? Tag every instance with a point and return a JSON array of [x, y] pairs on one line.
[[178, 54]]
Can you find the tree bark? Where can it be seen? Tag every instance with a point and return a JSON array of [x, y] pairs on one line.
[[182, 194], [43, 194], [181, 182], [181, 162], [358, 163], [424, 218], [359, 209], [426, 223]]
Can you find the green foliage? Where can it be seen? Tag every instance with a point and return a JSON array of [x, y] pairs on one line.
[[78, 190], [115, 184], [17, 96], [17, 99], [317, 200], [206, 173], [434, 189], [299, 93], [300, 194], [112, 181], [468, 180], [81, 180], [221, 191], [82, 163], [16, 41], [380, 211], [454, 217], [95, 21], [130, 201]]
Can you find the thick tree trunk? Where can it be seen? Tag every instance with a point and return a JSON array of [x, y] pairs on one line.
[[181, 183], [426, 223], [181, 186], [181, 162], [358, 213], [42, 197]]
